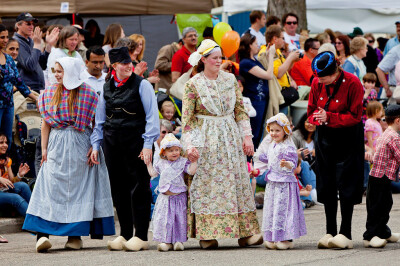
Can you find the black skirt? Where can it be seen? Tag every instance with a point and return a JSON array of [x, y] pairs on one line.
[[340, 162]]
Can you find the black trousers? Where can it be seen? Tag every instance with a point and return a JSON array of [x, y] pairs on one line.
[[379, 204], [130, 181], [346, 210]]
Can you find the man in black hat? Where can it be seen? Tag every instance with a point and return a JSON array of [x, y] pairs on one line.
[[31, 60], [394, 41], [127, 123], [335, 107]]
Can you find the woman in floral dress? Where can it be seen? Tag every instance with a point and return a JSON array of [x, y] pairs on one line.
[[216, 128]]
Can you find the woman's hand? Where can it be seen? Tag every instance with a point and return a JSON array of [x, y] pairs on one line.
[[23, 169], [193, 154], [44, 156], [94, 155], [146, 155], [248, 147], [153, 79], [320, 116], [37, 36], [7, 183], [140, 68], [88, 155], [154, 73], [226, 66], [169, 193]]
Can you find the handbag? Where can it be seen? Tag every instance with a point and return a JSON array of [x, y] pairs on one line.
[[290, 94], [178, 87]]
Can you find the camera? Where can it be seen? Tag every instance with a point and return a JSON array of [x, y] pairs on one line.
[[301, 55], [308, 158]]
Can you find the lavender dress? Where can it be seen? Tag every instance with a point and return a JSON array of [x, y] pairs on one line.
[[283, 217], [170, 212]]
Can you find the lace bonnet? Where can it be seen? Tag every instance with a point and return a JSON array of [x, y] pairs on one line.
[[169, 141], [206, 47], [281, 120]]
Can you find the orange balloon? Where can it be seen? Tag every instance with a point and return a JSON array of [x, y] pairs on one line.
[[230, 43]]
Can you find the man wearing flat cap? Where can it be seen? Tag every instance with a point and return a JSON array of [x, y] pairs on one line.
[[31, 60]]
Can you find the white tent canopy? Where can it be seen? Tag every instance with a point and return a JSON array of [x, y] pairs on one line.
[[341, 15]]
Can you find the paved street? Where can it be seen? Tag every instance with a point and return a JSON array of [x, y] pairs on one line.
[[20, 250]]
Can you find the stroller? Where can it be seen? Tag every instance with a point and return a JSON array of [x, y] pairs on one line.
[[26, 131], [161, 98]]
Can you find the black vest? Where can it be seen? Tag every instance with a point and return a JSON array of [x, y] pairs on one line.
[[124, 108]]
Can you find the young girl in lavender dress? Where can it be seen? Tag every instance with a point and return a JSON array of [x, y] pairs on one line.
[[283, 218], [169, 217]]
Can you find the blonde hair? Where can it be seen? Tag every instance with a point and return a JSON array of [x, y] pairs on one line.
[[373, 108], [137, 38], [357, 44], [327, 47], [56, 100], [167, 104]]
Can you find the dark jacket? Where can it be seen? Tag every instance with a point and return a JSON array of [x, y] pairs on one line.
[[31, 63]]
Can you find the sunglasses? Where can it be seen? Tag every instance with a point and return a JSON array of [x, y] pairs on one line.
[[291, 22], [338, 43], [29, 23], [371, 41], [381, 119], [164, 132]]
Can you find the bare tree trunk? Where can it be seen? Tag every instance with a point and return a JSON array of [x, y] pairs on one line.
[[280, 7]]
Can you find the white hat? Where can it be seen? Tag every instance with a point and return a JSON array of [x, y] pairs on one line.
[[74, 72], [169, 141], [206, 47]]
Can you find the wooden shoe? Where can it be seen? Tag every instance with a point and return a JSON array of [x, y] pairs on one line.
[[282, 245], [250, 240], [375, 242], [116, 244], [164, 247], [340, 241], [135, 244], [74, 244], [323, 242], [393, 238], [270, 245], [209, 244], [43, 244], [178, 246]]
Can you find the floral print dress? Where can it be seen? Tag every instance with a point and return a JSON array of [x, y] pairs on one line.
[[221, 204]]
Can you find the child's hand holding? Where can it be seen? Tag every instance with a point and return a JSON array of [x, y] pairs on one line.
[[285, 163]]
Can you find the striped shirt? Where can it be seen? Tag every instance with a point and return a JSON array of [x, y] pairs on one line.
[[84, 108]]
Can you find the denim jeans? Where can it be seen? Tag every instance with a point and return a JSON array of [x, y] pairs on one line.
[[257, 122], [284, 110], [6, 123], [307, 175], [18, 197]]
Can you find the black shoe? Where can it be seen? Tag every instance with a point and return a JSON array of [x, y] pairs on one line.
[[259, 206], [309, 203]]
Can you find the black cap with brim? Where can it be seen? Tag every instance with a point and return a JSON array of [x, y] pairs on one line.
[[26, 17], [119, 55], [324, 64], [397, 22]]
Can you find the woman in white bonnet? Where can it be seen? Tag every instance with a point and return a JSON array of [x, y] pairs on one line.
[[216, 128], [71, 198]]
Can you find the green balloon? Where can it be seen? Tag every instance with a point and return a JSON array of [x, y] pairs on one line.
[[219, 30]]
